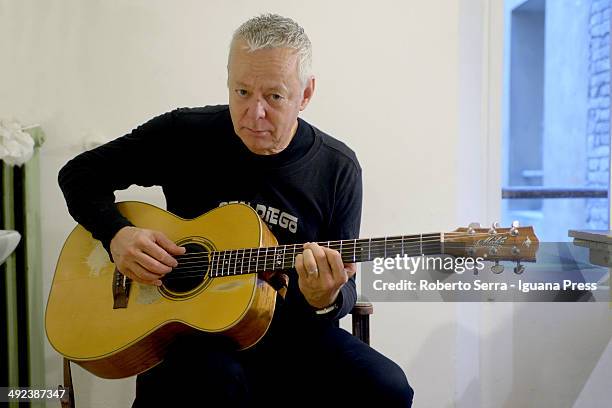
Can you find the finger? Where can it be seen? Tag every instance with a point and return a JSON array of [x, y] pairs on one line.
[[310, 264], [299, 267], [166, 243], [338, 273], [141, 275], [151, 264], [351, 269], [321, 259], [152, 248]]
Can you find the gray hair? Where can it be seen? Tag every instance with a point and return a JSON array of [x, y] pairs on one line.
[[274, 31]]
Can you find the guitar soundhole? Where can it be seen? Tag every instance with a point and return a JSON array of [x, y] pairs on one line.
[[190, 272]]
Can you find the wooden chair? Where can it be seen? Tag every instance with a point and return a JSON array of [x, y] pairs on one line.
[[361, 329]]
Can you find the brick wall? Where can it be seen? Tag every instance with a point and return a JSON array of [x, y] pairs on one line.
[[598, 122]]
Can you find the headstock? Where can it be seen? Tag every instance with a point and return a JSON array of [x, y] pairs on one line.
[[515, 243]]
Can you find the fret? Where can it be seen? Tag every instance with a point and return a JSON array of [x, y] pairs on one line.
[[211, 266], [249, 263], [228, 262], [242, 266], [229, 267], [290, 254], [239, 258], [379, 247], [361, 256], [277, 254], [287, 260], [270, 259], [281, 257], [385, 247], [396, 246], [215, 268], [224, 262], [257, 261], [421, 244], [273, 261]]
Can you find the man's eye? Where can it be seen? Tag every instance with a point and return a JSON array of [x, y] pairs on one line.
[[241, 92], [276, 97]]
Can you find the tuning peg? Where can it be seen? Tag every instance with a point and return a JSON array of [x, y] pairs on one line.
[[514, 229], [497, 268], [519, 269], [494, 228], [472, 227]]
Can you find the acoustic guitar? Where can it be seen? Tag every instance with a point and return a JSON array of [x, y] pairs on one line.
[[116, 328]]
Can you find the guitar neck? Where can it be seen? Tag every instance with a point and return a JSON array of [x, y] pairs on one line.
[[282, 257]]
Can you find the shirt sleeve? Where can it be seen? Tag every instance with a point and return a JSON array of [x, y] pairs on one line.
[[345, 223], [90, 180]]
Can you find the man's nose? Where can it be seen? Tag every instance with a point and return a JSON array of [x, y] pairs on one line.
[[257, 109]]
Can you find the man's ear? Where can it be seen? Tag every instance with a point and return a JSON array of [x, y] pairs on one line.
[[308, 92]]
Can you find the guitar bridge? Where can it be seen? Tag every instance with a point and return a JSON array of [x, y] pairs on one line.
[[121, 290]]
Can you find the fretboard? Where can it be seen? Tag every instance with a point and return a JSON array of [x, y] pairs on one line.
[[282, 257]]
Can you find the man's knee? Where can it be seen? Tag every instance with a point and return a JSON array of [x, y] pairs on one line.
[[393, 388]]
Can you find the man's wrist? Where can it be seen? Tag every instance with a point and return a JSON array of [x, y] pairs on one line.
[[335, 305], [327, 309]]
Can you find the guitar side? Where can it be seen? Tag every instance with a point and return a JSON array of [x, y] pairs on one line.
[[82, 324]]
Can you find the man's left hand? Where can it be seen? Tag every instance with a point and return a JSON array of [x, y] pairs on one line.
[[321, 274]]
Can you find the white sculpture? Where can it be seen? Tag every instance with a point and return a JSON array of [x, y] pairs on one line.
[[8, 242]]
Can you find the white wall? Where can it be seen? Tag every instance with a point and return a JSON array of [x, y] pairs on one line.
[[412, 86]]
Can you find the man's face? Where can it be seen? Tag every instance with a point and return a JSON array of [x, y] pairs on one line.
[[265, 97]]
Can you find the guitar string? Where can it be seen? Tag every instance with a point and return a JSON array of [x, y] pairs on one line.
[[349, 243], [233, 270], [269, 253], [376, 246], [272, 254], [348, 248], [261, 264]]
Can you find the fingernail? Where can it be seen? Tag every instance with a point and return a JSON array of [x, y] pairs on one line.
[[158, 283]]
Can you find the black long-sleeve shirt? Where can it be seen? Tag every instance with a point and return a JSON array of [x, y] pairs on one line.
[[311, 191]]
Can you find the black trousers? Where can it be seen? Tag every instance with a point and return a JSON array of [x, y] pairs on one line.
[[317, 364]]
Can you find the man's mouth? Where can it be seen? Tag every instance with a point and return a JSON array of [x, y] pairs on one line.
[[257, 132]]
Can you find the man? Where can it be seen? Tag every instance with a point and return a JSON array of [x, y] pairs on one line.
[[305, 185]]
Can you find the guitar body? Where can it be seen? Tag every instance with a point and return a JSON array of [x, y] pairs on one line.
[[88, 324]]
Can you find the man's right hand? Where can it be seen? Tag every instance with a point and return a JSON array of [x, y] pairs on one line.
[[144, 255]]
